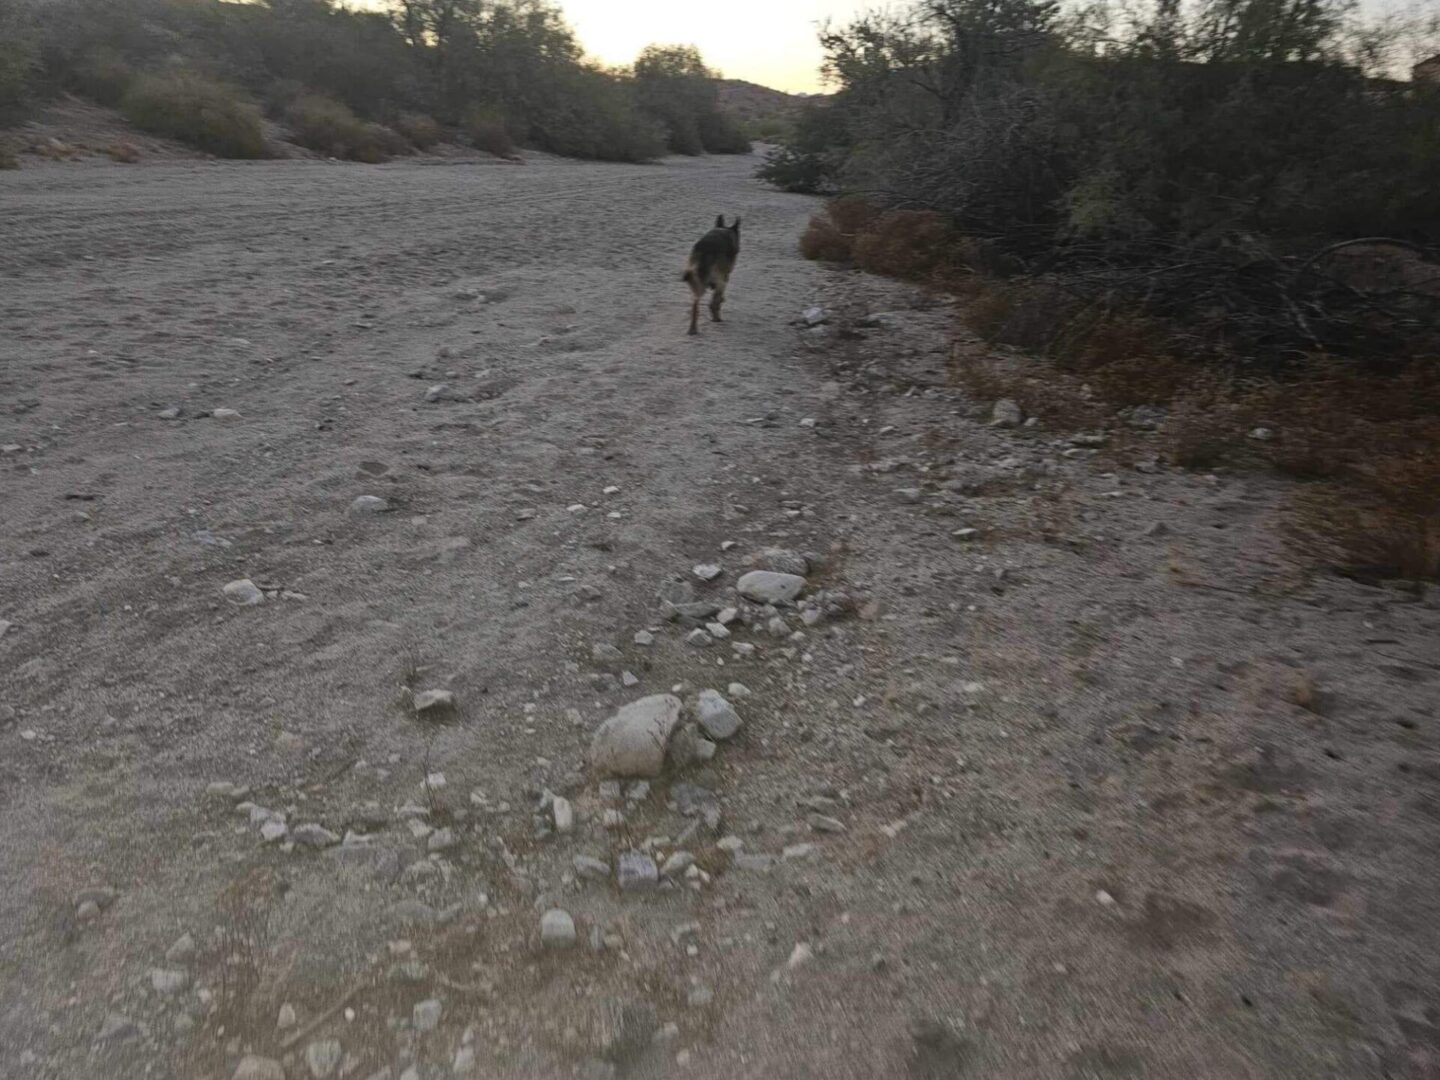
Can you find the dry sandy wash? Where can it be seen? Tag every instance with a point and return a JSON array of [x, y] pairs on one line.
[[1108, 787]]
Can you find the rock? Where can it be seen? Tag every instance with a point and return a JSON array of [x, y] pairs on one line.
[[717, 716], [629, 679], [798, 851], [636, 871], [814, 316], [718, 631], [755, 863], [699, 996], [101, 897], [313, 835], [781, 561], [181, 950], [323, 1057], [243, 593], [87, 910], [426, 1015], [118, 1028], [286, 1018], [677, 864], [564, 815], [965, 534], [557, 929], [225, 414], [168, 982], [434, 701], [707, 571], [633, 741], [801, 955], [821, 823], [604, 653], [589, 867], [770, 587], [254, 1067], [273, 830], [1006, 414], [644, 637], [1261, 434], [368, 504], [438, 392], [440, 840], [172, 413]]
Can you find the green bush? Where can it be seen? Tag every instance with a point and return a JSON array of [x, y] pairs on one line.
[[422, 131], [209, 115], [487, 131], [329, 127], [102, 74]]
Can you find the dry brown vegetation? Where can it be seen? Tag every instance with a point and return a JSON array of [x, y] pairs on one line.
[[1362, 433]]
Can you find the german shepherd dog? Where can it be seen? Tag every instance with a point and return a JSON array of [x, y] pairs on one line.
[[712, 260]]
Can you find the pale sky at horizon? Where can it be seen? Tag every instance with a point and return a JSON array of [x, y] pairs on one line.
[[771, 42]]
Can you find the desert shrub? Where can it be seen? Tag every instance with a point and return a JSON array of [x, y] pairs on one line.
[[331, 128], [123, 152], [676, 89], [19, 54], [822, 240], [487, 131], [422, 131], [102, 74], [8, 159], [912, 244], [195, 109]]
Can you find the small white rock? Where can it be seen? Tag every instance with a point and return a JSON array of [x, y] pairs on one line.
[[243, 593], [557, 929]]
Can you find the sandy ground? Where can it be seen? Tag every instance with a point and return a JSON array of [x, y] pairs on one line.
[[1118, 789]]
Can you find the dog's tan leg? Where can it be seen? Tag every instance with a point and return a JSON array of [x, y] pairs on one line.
[[694, 313], [716, 299]]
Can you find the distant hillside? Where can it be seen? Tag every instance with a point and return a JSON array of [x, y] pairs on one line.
[[751, 101]]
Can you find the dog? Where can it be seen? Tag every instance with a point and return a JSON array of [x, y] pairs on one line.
[[712, 261]]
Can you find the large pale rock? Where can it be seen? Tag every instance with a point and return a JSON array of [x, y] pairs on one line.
[[633, 741], [769, 587]]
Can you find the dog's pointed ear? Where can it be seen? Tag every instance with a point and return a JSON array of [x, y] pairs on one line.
[[736, 226], [719, 221]]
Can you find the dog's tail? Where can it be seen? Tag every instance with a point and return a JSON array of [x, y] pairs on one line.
[[689, 276]]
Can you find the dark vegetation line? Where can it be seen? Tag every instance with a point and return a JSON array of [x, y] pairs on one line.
[[362, 85], [1223, 213]]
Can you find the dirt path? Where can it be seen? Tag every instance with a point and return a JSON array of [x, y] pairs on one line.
[[1106, 789]]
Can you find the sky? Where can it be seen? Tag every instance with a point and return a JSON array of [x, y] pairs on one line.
[[771, 42]]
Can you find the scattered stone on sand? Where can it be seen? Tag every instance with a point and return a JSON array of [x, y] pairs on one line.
[[781, 561], [368, 504], [557, 929], [965, 534], [323, 1057], [243, 593], [738, 690], [770, 587], [699, 637], [1006, 414], [717, 630], [717, 716], [440, 840], [286, 1018], [814, 316], [707, 571], [564, 815], [273, 831], [632, 742], [825, 824], [677, 864], [636, 871], [605, 653], [587, 866], [181, 950], [434, 701], [168, 981], [629, 679], [438, 392], [172, 413], [426, 1014], [314, 835], [254, 1067], [644, 637], [225, 414], [118, 1028]]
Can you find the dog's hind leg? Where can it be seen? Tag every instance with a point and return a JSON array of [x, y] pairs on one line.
[[716, 299], [694, 313]]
